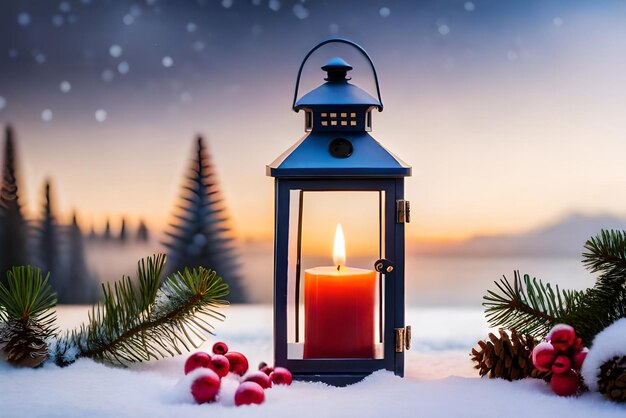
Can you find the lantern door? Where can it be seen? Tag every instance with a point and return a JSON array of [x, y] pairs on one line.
[[339, 277]]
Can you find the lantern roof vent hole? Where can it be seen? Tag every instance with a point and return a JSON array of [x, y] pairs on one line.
[[337, 70]]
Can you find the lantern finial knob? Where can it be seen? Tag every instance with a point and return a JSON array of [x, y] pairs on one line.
[[337, 69]]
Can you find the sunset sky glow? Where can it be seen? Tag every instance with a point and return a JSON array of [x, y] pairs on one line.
[[511, 113]]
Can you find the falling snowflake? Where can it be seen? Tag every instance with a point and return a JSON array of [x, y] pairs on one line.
[[274, 5], [300, 11], [13, 53], [123, 67], [384, 11], [101, 115], [443, 29], [256, 2], [135, 11], [333, 28], [185, 97], [227, 4], [57, 20], [469, 6], [191, 27], [3, 102], [107, 75], [115, 51], [511, 55], [46, 115], [65, 86], [65, 7], [256, 30], [23, 19], [557, 21], [198, 46], [167, 61], [40, 58], [128, 19]]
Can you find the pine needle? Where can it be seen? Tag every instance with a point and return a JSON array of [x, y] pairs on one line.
[[150, 320]]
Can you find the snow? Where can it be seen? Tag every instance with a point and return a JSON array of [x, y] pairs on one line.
[[439, 382], [609, 343]]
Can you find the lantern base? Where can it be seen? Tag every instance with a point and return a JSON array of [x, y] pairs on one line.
[[332, 379]]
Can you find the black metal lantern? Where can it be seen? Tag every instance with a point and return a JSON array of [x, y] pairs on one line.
[[338, 192]]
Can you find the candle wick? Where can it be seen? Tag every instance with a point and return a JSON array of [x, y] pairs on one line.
[[338, 266]]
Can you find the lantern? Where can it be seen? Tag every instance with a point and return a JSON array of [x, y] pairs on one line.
[[339, 238]]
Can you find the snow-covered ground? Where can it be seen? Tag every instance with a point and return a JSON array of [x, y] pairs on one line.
[[439, 382]]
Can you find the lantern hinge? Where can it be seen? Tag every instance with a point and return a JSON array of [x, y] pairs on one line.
[[403, 339], [403, 210]]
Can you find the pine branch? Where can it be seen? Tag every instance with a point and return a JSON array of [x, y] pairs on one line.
[[606, 253], [605, 302], [133, 325], [27, 318], [528, 306], [28, 299]]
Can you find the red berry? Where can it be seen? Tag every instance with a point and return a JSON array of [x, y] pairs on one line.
[[281, 376], [579, 358], [249, 393], [543, 356], [565, 384], [561, 365], [220, 348], [562, 336], [238, 362], [199, 359], [267, 370], [220, 364], [205, 388], [259, 377]]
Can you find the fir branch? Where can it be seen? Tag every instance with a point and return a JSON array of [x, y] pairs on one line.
[[27, 317], [132, 325], [28, 299], [606, 253], [528, 306]]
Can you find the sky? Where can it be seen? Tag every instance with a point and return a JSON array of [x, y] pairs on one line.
[[510, 112]]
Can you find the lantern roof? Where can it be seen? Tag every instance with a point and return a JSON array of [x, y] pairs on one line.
[[337, 90], [310, 157]]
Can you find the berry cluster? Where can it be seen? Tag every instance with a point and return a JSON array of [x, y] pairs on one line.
[[207, 372], [562, 353]]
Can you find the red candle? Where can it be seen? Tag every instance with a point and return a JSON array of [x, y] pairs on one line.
[[339, 309]]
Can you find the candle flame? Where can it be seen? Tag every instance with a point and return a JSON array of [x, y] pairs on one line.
[[339, 251]]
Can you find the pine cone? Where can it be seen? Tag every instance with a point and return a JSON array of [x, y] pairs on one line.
[[612, 380], [23, 345], [507, 357]]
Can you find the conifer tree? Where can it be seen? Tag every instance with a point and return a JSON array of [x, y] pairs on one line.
[[107, 230], [142, 232], [81, 285], [200, 235], [47, 254], [13, 227], [123, 230]]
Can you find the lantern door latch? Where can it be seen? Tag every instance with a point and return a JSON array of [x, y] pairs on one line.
[[403, 339], [403, 211]]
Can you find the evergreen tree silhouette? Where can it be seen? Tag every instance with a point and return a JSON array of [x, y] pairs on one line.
[[200, 235], [47, 254], [123, 230], [81, 286], [13, 227], [142, 232], [107, 230]]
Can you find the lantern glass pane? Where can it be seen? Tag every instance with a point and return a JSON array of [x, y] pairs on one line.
[[334, 294]]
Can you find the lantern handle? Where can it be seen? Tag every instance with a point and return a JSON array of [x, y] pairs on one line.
[[341, 41]]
